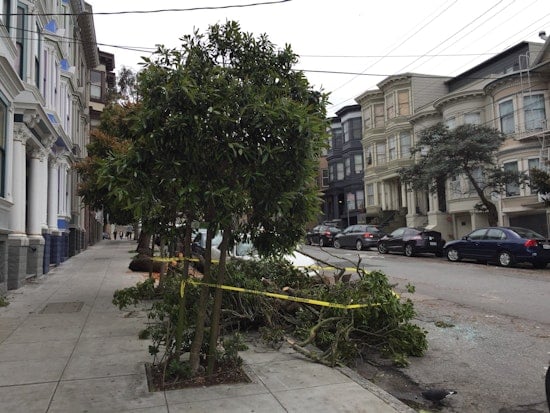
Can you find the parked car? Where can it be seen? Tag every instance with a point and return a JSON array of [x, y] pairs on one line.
[[504, 245], [411, 241], [243, 250], [322, 235], [358, 236]]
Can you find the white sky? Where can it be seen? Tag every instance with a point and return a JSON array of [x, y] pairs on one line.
[[372, 38]]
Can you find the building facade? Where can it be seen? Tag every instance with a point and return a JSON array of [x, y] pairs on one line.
[[47, 49], [509, 92], [344, 198], [388, 134]]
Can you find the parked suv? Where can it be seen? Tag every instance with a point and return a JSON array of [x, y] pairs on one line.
[[322, 235], [358, 237], [410, 241]]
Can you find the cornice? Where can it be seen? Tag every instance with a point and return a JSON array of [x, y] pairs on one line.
[[457, 96]]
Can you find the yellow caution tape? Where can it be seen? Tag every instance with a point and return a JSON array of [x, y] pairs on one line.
[[275, 295]]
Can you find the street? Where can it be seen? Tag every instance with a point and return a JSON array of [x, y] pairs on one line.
[[488, 332]]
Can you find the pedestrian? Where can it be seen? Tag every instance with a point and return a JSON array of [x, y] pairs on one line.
[[114, 232], [121, 234]]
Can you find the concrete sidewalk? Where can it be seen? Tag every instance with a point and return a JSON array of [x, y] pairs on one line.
[[64, 347]]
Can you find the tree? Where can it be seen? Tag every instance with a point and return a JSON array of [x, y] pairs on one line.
[[469, 151], [229, 134], [539, 181]]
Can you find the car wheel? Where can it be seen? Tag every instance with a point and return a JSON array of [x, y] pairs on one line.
[[308, 241], [505, 259], [453, 255], [409, 250], [539, 265], [382, 248], [322, 242], [358, 245], [337, 244]]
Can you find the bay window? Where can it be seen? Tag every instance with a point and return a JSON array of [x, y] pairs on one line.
[[506, 112], [535, 115]]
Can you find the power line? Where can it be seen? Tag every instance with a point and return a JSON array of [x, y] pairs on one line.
[[173, 10]]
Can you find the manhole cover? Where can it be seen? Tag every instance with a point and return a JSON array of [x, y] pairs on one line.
[[57, 308]]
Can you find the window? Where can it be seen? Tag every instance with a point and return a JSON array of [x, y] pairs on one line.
[[20, 41], [472, 118], [5, 8], [390, 106], [337, 138], [455, 187], [379, 116], [450, 122], [339, 171], [495, 234], [405, 144], [358, 163], [331, 174], [506, 111], [532, 164], [477, 234], [350, 201], [370, 194], [513, 188], [477, 174], [392, 147], [325, 178], [403, 103], [3, 128], [360, 199], [367, 117], [95, 85], [347, 164], [535, 116], [36, 54], [352, 129], [380, 153]]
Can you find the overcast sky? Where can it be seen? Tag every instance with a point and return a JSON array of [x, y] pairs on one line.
[[345, 46]]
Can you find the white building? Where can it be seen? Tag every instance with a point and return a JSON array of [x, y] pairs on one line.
[[47, 48]]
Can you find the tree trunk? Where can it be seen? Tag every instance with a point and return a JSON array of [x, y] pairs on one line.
[[216, 311], [194, 352], [182, 319], [492, 212]]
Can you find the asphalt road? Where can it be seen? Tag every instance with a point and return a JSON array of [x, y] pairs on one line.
[[488, 332]]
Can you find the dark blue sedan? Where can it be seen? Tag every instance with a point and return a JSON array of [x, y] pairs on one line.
[[504, 245]]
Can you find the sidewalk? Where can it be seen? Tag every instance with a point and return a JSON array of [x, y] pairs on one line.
[[64, 347]]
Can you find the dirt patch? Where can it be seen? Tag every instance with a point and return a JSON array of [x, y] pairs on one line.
[[158, 381]]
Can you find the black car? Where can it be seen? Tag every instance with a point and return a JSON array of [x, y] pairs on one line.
[[322, 235], [358, 237], [410, 241], [503, 245]]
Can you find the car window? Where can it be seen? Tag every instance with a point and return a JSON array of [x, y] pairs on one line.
[[372, 229], [477, 234], [528, 233], [495, 234], [398, 232]]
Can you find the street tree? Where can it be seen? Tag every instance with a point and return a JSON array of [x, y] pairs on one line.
[[229, 134], [539, 181], [469, 151]]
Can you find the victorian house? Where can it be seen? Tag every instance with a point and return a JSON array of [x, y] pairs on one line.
[[344, 198], [509, 92], [47, 49]]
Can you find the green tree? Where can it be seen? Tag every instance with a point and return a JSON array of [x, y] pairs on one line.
[[539, 181], [469, 151], [229, 134]]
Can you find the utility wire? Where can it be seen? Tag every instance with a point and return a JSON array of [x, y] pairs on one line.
[[174, 10]]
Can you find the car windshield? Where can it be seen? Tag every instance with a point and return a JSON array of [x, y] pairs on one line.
[[528, 233]]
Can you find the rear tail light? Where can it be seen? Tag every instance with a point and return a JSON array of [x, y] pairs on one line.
[[531, 243], [327, 233], [368, 235]]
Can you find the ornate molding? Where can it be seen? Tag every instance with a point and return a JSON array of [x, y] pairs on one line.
[[21, 134]]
